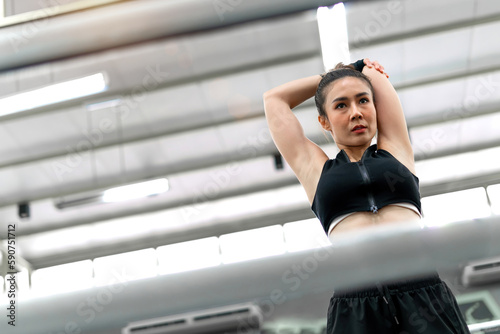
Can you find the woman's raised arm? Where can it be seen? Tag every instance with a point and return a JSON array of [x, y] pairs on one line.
[[392, 129]]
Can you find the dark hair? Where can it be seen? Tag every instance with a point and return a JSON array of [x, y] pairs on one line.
[[340, 71]]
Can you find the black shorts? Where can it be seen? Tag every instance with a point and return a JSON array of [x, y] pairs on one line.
[[423, 305]]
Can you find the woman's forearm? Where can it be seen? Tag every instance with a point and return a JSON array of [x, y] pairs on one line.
[[295, 92]]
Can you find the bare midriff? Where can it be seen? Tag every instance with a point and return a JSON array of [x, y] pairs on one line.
[[386, 215]]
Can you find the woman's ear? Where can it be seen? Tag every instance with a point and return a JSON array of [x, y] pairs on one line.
[[325, 123]]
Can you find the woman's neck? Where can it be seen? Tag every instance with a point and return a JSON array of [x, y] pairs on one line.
[[355, 153]]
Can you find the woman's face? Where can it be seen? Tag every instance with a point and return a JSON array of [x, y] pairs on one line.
[[352, 118]]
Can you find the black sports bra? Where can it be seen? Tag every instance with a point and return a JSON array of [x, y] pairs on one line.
[[375, 181]]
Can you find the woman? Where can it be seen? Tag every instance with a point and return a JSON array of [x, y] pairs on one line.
[[364, 185]]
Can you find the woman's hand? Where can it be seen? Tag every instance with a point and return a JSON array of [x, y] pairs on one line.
[[375, 65]]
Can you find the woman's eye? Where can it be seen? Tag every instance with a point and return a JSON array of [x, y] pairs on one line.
[[363, 100], [340, 105]]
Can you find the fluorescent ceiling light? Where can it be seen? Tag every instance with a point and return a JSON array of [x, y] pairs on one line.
[[125, 267], [137, 190], [304, 234], [55, 93], [189, 255], [333, 35], [62, 278]]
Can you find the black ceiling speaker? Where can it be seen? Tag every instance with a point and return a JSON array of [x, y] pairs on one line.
[[24, 210]]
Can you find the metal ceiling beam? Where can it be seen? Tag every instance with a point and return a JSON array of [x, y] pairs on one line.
[[476, 71], [128, 23], [452, 115], [438, 153], [51, 11], [425, 31]]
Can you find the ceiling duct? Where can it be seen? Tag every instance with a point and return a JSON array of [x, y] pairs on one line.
[[482, 272], [227, 319]]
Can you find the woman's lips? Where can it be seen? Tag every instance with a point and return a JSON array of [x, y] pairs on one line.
[[359, 129]]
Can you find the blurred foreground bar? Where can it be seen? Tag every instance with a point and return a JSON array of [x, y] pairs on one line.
[[385, 253]]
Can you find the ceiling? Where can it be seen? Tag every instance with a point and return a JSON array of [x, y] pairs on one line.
[[189, 82]]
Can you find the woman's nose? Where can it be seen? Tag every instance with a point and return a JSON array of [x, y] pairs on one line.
[[356, 113]]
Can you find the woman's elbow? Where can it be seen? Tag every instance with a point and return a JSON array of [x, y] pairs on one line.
[[268, 95]]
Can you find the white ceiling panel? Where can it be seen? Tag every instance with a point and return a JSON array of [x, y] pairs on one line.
[[488, 126], [278, 38], [8, 83], [46, 134], [168, 110], [104, 126], [487, 7], [432, 99], [11, 149], [308, 118], [109, 167], [220, 50], [158, 63], [245, 141], [234, 97], [52, 133], [437, 54], [60, 240], [436, 13], [188, 147], [483, 50], [22, 182], [480, 90], [373, 19], [389, 56], [75, 67], [147, 66], [172, 153], [66, 171], [144, 155], [282, 73], [458, 167], [34, 77]]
